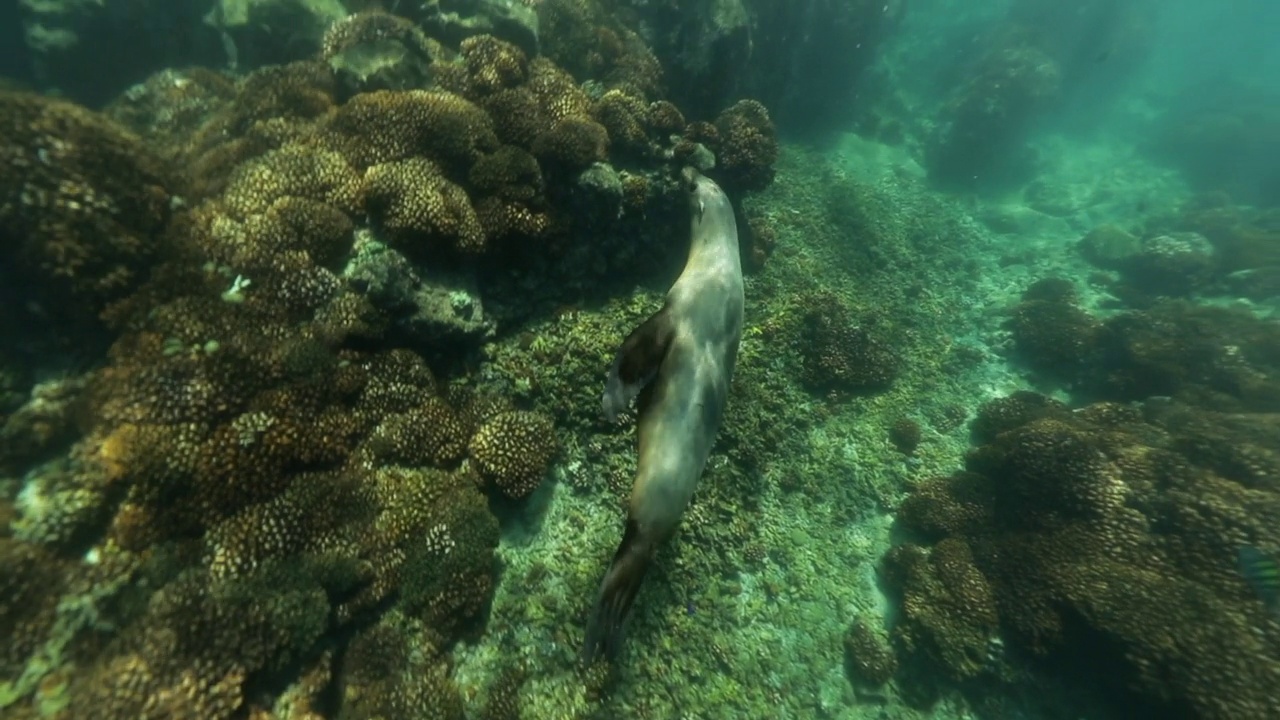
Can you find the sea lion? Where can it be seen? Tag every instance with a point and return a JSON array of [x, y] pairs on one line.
[[682, 359]]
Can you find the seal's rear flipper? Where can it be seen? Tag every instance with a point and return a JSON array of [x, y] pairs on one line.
[[636, 363], [617, 594]]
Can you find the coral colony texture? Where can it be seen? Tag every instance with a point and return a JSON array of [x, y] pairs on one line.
[[307, 307]]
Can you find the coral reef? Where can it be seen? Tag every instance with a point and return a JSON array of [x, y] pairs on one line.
[[1213, 357], [269, 498], [1097, 535], [1219, 358], [1175, 264]]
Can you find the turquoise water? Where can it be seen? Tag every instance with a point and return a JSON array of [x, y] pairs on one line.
[[308, 308]]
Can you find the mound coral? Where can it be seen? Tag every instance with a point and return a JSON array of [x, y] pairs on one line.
[[747, 146], [83, 205], [421, 211], [381, 127], [870, 659], [513, 450], [572, 144], [430, 434], [492, 64], [1052, 334]]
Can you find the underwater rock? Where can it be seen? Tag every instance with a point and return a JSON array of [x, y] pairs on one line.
[[262, 32], [375, 50], [1059, 199], [90, 50], [598, 195], [986, 120], [802, 59], [432, 311], [1258, 284], [1174, 265], [453, 21], [1109, 247]]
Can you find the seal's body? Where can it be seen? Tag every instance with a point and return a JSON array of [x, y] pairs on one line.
[[679, 363]]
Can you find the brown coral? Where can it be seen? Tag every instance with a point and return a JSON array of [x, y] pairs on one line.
[[556, 91], [572, 143], [509, 173], [513, 450], [747, 147], [870, 659], [493, 64], [1052, 334], [422, 212], [384, 126], [625, 117], [430, 434], [1088, 529], [293, 171], [518, 116], [840, 354], [82, 204]]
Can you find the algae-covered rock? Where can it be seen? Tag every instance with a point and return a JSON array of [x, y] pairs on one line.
[[260, 32], [452, 21], [1110, 247], [90, 50]]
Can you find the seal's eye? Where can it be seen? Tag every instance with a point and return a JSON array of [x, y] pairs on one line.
[[693, 186]]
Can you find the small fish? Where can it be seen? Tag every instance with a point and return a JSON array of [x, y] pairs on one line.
[[1263, 574]]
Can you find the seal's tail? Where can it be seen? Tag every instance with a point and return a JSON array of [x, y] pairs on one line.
[[617, 594]]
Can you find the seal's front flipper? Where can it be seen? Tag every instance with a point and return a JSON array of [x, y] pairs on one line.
[[617, 594], [636, 363]]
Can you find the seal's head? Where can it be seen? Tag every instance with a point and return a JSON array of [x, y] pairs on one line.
[[704, 194]]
